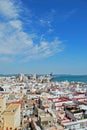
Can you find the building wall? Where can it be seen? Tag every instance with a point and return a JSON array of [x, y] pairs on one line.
[[8, 121], [2, 104], [78, 125], [45, 121], [12, 120], [17, 118], [1, 123]]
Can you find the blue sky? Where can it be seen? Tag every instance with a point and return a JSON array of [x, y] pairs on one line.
[[43, 36]]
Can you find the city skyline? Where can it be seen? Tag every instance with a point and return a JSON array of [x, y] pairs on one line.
[[43, 36]]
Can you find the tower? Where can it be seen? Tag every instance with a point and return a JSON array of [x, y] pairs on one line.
[[12, 117], [2, 104]]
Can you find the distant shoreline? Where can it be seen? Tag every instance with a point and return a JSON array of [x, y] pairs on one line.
[[69, 78]]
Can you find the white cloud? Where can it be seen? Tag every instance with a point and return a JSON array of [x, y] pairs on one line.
[[69, 14], [45, 49], [16, 24], [14, 41], [44, 22], [8, 9], [5, 59], [48, 18]]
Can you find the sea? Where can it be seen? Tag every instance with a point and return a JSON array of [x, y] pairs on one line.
[[69, 78]]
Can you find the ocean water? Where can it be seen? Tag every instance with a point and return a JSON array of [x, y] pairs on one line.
[[70, 78]]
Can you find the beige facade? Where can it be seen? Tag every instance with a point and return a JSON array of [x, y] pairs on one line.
[[1, 123], [45, 120], [12, 117], [2, 104]]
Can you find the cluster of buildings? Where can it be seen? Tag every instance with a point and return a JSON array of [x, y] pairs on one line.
[[31, 103]]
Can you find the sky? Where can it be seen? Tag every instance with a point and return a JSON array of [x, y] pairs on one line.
[[43, 36]]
